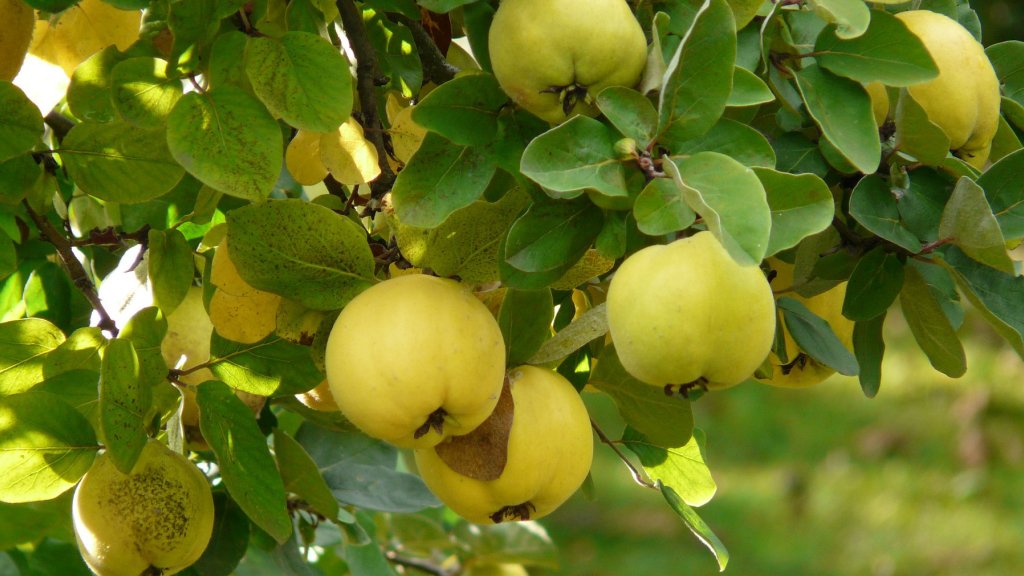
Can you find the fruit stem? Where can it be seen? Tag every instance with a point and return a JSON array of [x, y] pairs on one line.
[[435, 421], [515, 512]]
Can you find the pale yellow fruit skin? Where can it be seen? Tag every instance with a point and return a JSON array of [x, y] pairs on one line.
[[83, 30], [550, 452], [879, 101], [687, 310], [408, 346], [160, 515], [964, 99], [829, 306], [188, 335], [539, 44], [18, 21], [238, 311]]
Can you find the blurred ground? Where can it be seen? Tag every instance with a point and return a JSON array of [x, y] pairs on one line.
[[927, 478]]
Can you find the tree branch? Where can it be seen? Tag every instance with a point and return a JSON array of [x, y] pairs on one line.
[[435, 68], [421, 565], [74, 268], [367, 74], [59, 123]]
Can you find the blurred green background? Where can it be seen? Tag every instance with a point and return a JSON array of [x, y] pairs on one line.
[[926, 478]]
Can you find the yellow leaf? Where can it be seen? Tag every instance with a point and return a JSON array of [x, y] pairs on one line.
[[406, 135], [82, 30], [303, 158], [349, 157]]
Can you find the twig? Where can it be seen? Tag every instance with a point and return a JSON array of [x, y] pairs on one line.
[[435, 68], [367, 74], [421, 565], [59, 123], [111, 237], [74, 268], [637, 476]]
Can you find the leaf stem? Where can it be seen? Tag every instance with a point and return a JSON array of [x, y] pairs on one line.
[[638, 477], [73, 267]]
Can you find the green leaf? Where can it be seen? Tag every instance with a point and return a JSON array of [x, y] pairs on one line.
[[46, 446], [24, 346], [680, 467], [630, 112], [227, 139], [508, 543], [730, 198], [921, 203], [302, 78], [273, 367], [1004, 189], [463, 110], [916, 135], [748, 89], [362, 471], [193, 25], [574, 156], [124, 402], [815, 337], [876, 208], [225, 54], [874, 285], [119, 162], [664, 421], [995, 294], [590, 325], [302, 477], [18, 177], [21, 125], [734, 139], [851, 17], [797, 154], [1005, 142], [930, 326], [466, 243], [552, 236], [888, 52], [969, 222], [661, 209], [696, 526], [842, 109], [801, 205], [302, 251], [869, 348], [1006, 58], [478, 16], [246, 466], [439, 179], [146, 329], [29, 523], [89, 93], [229, 541], [525, 322], [697, 83], [142, 93], [171, 268]]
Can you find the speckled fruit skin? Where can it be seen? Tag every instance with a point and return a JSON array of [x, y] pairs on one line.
[[410, 346], [686, 312], [536, 45], [964, 99], [159, 516], [550, 451]]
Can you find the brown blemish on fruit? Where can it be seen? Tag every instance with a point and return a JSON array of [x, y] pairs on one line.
[[154, 508], [483, 453]]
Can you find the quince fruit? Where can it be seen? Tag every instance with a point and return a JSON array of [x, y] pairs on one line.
[[156, 520], [553, 57], [187, 342], [547, 456], [238, 311], [964, 99], [802, 371], [415, 359], [19, 20], [687, 314]]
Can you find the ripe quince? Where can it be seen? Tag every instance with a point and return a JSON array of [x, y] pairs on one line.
[[415, 359], [548, 456], [802, 371], [238, 311], [964, 99], [156, 520], [688, 314], [553, 57], [187, 342]]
